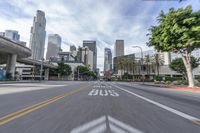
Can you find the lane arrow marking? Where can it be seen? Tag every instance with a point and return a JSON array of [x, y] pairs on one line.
[[105, 124]]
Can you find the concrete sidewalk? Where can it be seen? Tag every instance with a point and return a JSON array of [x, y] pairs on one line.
[[17, 88], [180, 88], [21, 81]]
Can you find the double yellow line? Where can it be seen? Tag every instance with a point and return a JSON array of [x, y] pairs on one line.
[[12, 116]]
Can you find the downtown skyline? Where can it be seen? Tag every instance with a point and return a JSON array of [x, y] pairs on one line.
[[76, 21]]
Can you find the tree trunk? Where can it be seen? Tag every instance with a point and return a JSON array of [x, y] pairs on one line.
[[187, 63], [133, 70], [121, 72], [157, 67]]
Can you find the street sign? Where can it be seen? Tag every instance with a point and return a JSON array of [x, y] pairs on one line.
[[105, 124]]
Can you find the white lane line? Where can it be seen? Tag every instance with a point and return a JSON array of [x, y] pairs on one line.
[[99, 129], [116, 129], [179, 113], [90, 125], [103, 124], [121, 126]]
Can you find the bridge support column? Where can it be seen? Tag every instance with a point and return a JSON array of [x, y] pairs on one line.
[[11, 62], [46, 74]]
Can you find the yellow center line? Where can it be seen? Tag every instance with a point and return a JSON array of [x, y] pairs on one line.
[[22, 112], [27, 108]]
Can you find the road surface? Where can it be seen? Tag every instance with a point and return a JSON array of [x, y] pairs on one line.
[[96, 107]]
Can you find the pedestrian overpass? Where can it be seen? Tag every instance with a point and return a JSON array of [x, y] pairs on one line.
[[12, 52]]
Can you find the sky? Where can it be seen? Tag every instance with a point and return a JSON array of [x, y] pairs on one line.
[[102, 20]]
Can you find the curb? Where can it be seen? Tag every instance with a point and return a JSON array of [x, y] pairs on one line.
[[176, 88], [18, 82]]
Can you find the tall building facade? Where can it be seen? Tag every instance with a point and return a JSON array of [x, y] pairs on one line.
[[93, 47], [107, 59], [166, 57], [54, 45], [119, 48], [37, 38], [85, 55], [12, 35]]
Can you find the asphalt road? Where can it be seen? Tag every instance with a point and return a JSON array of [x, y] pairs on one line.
[[98, 107]]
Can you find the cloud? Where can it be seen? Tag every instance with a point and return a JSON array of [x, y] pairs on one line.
[[77, 20]]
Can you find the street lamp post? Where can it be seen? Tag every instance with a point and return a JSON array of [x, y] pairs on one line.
[[141, 68]]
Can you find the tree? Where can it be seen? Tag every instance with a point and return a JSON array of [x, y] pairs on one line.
[[177, 31], [85, 72], [147, 61], [83, 69], [178, 65], [64, 69], [157, 61], [126, 76], [92, 74], [120, 64]]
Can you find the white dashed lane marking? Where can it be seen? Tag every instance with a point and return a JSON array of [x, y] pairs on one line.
[[174, 111]]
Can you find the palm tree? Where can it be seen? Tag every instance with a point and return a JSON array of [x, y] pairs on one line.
[[120, 65], [158, 62], [125, 65], [147, 61]]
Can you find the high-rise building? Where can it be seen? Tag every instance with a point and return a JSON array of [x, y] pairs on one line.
[[54, 45], [37, 38], [167, 58], [85, 55], [119, 48], [12, 35], [92, 46], [107, 59], [117, 66]]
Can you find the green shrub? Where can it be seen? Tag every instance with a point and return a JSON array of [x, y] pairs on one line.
[[127, 76], [182, 82], [158, 78], [9, 76], [198, 78], [171, 79]]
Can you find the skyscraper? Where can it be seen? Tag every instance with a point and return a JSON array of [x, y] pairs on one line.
[[54, 45], [37, 38], [119, 48], [85, 55], [12, 35], [107, 59], [92, 46]]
